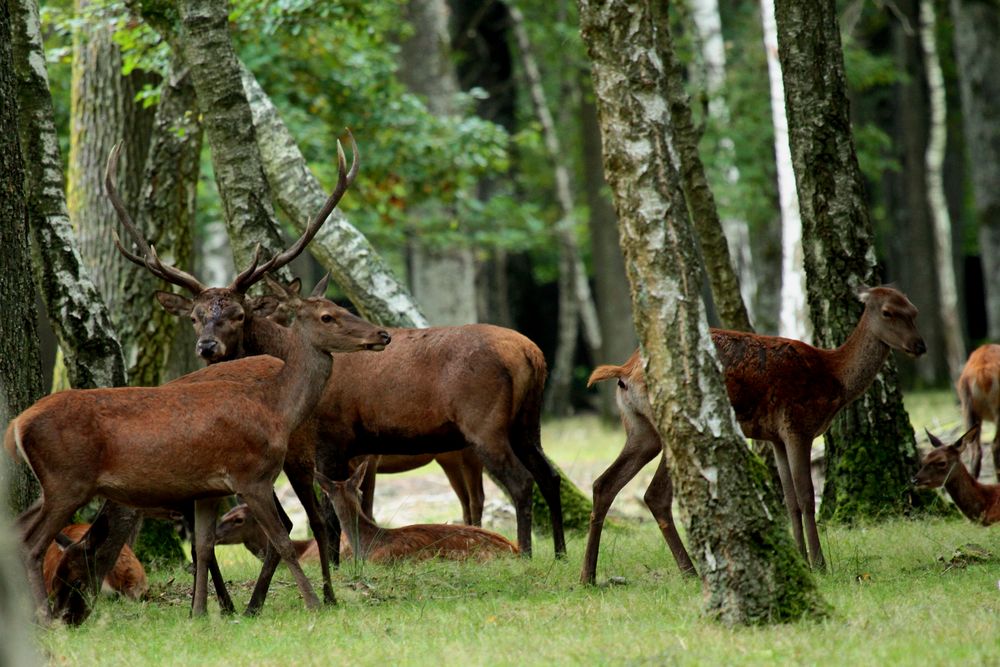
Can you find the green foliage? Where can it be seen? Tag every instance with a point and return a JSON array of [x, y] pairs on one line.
[[158, 544]]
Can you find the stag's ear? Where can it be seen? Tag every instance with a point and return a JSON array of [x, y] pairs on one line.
[[175, 303], [263, 306], [294, 288], [320, 289]]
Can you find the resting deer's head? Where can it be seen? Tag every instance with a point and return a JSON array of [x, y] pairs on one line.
[[941, 462]]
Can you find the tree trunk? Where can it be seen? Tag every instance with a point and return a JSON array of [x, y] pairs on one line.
[[92, 355], [358, 270], [751, 570], [20, 365], [426, 68], [977, 51], [870, 450], [793, 320], [611, 290], [204, 43], [166, 209], [934, 159]]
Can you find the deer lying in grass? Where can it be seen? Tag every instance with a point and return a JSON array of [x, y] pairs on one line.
[[238, 526], [220, 316], [160, 446], [781, 390], [943, 467], [979, 393], [382, 545], [127, 577]]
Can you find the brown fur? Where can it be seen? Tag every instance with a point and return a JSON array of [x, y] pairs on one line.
[[417, 542], [943, 466], [781, 390], [238, 526], [978, 390], [127, 577]]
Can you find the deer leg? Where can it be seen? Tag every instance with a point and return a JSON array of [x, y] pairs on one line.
[[800, 465], [205, 511], [515, 479], [995, 451], [548, 481], [368, 486], [456, 478], [638, 451], [333, 466], [271, 560], [267, 516], [659, 498], [302, 484], [975, 446], [472, 475], [791, 501], [43, 522]]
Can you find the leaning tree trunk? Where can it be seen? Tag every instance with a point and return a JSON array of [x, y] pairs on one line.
[[977, 50], [20, 365], [934, 159], [751, 570], [870, 449], [90, 350], [204, 44], [443, 279]]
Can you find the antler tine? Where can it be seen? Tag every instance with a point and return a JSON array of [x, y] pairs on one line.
[[149, 260], [243, 281], [344, 180]]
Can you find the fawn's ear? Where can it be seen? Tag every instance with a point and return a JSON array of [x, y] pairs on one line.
[[175, 304], [359, 474]]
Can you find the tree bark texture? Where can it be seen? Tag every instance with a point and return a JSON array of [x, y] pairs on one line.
[[951, 327], [744, 551], [611, 289], [353, 262], [206, 48], [165, 216], [20, 365], [977, 52], [870, 450], [91, 352]]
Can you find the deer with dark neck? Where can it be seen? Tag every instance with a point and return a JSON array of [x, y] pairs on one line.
[[943, 466]]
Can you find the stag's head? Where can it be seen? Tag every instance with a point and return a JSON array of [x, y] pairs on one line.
[[893, 319], [941, 462], [220, 314]]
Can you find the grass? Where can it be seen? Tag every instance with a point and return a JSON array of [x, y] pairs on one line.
[[898, 597]]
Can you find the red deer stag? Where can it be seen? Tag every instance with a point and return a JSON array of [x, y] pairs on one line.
[[127, 577], [220, 316], [979, 393], [463, 468], [159, 446], [443, 389], [781, 390], [943, 467], [382, 545]]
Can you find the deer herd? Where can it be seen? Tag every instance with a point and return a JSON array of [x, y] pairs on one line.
[[303, 386]]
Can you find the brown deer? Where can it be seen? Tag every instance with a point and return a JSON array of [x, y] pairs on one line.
[[220, 316], [979, 393], [239, 526], [158, 446], [383, 545], [128, 577], [781, 390], [463, 468], [943, 466]]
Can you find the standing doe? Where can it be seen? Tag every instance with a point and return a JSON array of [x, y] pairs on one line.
[[979, 393], [781, 390]]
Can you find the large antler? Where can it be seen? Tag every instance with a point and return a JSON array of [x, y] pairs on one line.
[[149, 258], [256, 271]]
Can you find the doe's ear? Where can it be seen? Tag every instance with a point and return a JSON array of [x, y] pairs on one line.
[[863, 292], [359, 473], [63, 541], [295, 287], [263, 306], [935, 442], [320, 289], [969, 436], [324, 482], [175, 303]]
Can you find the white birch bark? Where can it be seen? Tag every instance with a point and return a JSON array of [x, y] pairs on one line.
[[793, 318], [934, 161]]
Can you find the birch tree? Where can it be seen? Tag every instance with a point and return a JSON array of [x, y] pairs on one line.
[[751, 571]]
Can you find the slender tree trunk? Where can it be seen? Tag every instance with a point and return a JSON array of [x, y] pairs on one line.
[[76, 311], [934, 158], [793, 320], [355, 266], [443, 279], [204, 44], [977, 51], [745, 554], [870, 450], [611, 289], [20, 365], [576, 306]]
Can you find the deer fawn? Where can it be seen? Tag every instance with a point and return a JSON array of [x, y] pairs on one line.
[[127, 577], [979, 393], [781, 390], [368, 541], [943, 467]]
